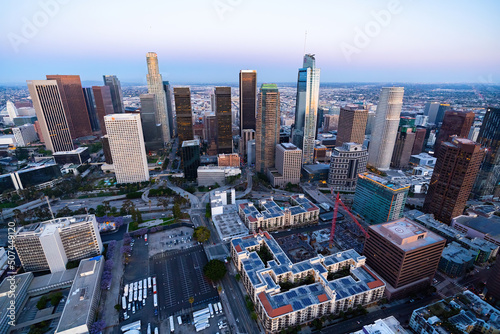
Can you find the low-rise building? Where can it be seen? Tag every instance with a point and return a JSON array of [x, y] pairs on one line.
[[228, 160], [389, 325], [210, 175], [310, 294], [456, 259], [77, 156], [268, 215], [316, 172], [423, 159], [219, 199], [476, 226]]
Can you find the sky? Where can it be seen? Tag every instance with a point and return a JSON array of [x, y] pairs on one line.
[[209, 41]]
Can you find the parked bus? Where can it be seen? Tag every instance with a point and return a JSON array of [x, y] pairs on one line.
[[154, 280], [135, 325], [171, 320], [155, 300], [179, 320], [154, 289], [144, 293], [125, 290], [149, 282], [130, 296], [140, 285], [200, 312], [146, 237], [216, 308], [135, 295], [220, 307], [124, 302], [211, 310]]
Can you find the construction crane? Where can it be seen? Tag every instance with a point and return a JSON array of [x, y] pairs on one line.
[[334, 219]]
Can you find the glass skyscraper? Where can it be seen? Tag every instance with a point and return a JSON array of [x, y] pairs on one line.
[[155, 86], [170, 110], [183, 114], [223, 117], [268, 127], [116, 92]]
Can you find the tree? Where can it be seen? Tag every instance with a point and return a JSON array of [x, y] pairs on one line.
[[118, 307], [177, 210], [215, 270], [237, 277], [42, 303], [56, 298], [208, 211], [97, 327], [201, 234]]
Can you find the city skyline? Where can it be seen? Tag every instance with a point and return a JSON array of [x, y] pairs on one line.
[[388, 52]]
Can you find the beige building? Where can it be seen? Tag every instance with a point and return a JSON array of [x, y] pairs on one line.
[[126, 142], [267, 134], [288, 162], [228, 160]]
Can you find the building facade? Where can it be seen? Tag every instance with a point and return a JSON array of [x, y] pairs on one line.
[[228, 160], [223, 116], [25, 134], [170, 109], [352, 125], [115, 89], [288, 162], [103, 105], [404, 143], [190, 153], [155, 86], [455, 123], [91, 108], [248, 100], [183, 113], [152, 131], [268, 127], [346, 163]]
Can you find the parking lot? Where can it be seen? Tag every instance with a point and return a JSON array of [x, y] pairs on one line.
[[170, 240]]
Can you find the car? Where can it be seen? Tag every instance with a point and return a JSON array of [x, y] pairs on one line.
[[133, 309]]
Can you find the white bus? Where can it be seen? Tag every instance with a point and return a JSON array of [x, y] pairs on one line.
[[216, 308], [124, 302], [145, 283], [202, 318], [135, 286], [154, 288], [135, 325], [211, 310], [149, 282], [155, 300], [171, 320], [130, 296], [179, 320], [200, 312], [140, 296], [125, 290], [140, 285], [220, 307], [154, 280]]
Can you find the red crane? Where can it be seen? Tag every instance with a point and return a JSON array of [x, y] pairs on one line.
[[334, 220]]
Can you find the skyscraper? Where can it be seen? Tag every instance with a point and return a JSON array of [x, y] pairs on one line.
[[431, 111], [288, 162], [248, 100], [170, 110], [103, 104], [488, 179], [183, 113], [126, 142], [404, 143], [51, 116], [306, 108], [418, 144], [115, 89], [352, 125], [155, 86], [268, 127], [70, 89], [457, 165], [151, 130], [346, 163], [223, 118], [454, 123], [91, 108], [386, 126], [443, 107], [190, 153]]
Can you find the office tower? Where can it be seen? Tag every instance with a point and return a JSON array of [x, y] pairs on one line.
[[330, 123], [106, 150], [50, 114], [306, 108], [246, 136], [431, 111], [370, 122], [268, 127], [51, 244], [223, 118], [404, 143], [346, 163], [70, 89], [454, 123], [103, 104], [418, 144], [248, 100], [210, 126], [379, 199], [421, 120], [385, 128], [288, 162], [488, 179], [126, 142], [25, 134], [405, 254], [38, 130], [474, 133], [155, 86], [443, 107], [457, 166], [190, 153], [352, 125], [184, 114], [322, 111], [115, 89], [152, 131], [493, 282], [170, 110], [91, 108], [251, 152]]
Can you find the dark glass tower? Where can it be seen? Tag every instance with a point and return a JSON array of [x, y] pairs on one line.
[[91, 108], [103, 103], [190, 152], [116, 92], [153, 138], [223, 118], [267, 134], [248, 99], [170, 110], [404, 143], [454, 123], [184, 114]]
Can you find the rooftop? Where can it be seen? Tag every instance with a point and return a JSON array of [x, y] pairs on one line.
[[194, 142], [75, 151], [384, 182], [389, 325], [229, 224], [487, 225], [50, 225]]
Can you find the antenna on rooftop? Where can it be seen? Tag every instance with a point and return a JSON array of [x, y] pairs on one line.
[[305, 42]]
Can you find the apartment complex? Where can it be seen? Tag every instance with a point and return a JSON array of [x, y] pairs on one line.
[[269, 216], [279, 310], [287, 162], [352, 125], [51, 244], [346, 163]]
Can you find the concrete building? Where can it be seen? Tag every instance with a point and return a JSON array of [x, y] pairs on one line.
[[352, 125], [288, 162], [83, 300], [228, 160], [316, 172], [423, 159], [210, 175], [418, 144], [78, 156], [431, 110], [190, 153], [170, 109], [38, 177], [322, 154], [219, 199], [457, 165], [268, 127], [51, 244], [126, 142], [378, 199], [346, 163], [279, 310], [404, 254], [51, 115], [155, 86], [13, 293], [456, 259], [330, 123], [152, 131], [246, 136], [386, 127], [115, 90], [269, 216], [493, 283], [455, 123], [389, 325], [25, 134]]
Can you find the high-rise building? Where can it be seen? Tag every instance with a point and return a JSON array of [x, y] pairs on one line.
[[346, 163], [152, 131], [246, 136], [288, 162], [190, 153], [251, 152], [454, 123], [50, 114], [51, 244], [70, 89], [330, 123], [223, 118], [488, 179], [115, 89], [248, 100], [155, 86], [352, 125], [126, 142], [106, 150], [103, 104], [457, 166], [404, 143], [418, 144], [493, 282], [405, 254], [183, 113], [386, 127], [378, 199], [306, 108], [210, 127], [25, 134], [268, 127], [431, 111], [170, 110], [91, 108], [443, 107]]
